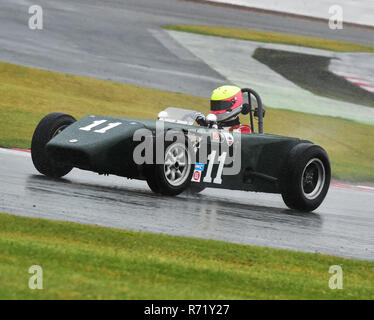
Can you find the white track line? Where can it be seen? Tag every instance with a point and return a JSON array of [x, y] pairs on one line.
[[358, 80], [355, 11], [278, 92], [16, 152], [351, 187], [365, 187]]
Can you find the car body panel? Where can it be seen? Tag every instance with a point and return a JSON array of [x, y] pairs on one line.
[[109, 150]]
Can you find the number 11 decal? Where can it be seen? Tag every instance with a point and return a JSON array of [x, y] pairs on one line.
[[96, 123], [221, 160]]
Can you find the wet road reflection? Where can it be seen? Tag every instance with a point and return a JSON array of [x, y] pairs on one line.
[[342, 226]]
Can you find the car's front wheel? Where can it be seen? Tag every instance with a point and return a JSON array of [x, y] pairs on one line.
[[174, 175], [306, 177], [50, 126]]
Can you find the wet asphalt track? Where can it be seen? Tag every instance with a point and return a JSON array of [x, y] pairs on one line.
[[121, 40], [342, 226]]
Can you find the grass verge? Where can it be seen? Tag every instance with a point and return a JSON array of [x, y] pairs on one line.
[[29, 94], [273, 37], [89, 262], [311, 73]]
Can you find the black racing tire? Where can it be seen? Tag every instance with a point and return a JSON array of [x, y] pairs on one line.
[[158, 179], [151, 178], [48, 127], [306, 177]]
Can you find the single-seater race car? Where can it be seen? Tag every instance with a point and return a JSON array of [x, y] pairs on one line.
[[184, 150]]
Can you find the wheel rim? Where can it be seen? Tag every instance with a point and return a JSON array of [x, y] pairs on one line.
[[313, 178], [176, 168], [59, 130]]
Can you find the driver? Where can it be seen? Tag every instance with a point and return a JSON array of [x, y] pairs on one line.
[[227, 103]]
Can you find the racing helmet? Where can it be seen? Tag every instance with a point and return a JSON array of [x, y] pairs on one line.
[[226, 102]]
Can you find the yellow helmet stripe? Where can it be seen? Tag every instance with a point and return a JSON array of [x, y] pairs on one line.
[[225, 92]]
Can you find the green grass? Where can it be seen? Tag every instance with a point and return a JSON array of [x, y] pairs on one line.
[[272, 37], [29, 94], [88, 262], [311, 73]]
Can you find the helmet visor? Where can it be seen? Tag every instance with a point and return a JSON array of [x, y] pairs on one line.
[[220, 105]]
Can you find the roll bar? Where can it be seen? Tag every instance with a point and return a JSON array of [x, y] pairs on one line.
[[259, 112]]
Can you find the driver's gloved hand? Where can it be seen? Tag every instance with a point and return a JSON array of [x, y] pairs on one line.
[[200, 119]]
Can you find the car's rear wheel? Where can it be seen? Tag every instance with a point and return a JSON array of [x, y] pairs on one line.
[[306, 177], [50, 126], [174, 175]]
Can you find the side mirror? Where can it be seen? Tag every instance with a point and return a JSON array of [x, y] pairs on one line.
[[256, 113], [246, 108]]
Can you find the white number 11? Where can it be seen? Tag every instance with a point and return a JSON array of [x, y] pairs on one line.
[[96, 123], [221, 160]]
